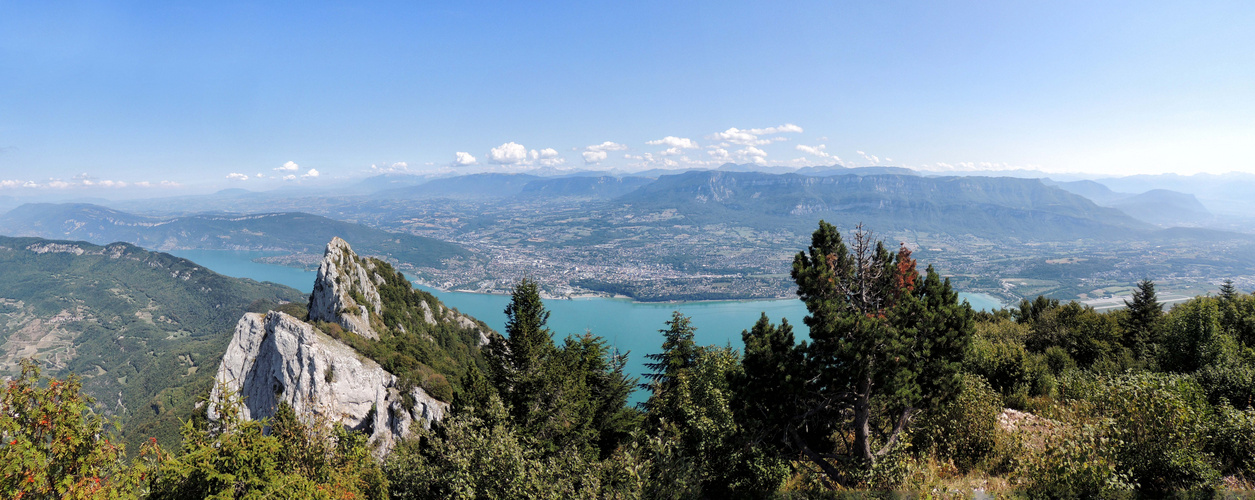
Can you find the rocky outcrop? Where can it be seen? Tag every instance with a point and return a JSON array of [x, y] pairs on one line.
[[345, 290], [277, 358], [464, 321]]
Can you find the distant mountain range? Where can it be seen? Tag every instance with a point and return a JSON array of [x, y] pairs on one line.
[[281, 232], [1158, 206], [499, 186], [1223, 194], [989, 207]]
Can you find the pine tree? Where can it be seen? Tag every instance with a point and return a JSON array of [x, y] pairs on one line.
[[1030, 312], [570, 397], [530, 340], [1144, 313], [880, 337], [773, 384], [1228, 292], [679, 352], [520, 357]]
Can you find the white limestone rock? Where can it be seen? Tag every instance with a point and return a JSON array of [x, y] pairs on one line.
[[278, 358], [340, 275]]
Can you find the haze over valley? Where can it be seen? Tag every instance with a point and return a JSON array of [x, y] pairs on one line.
[[725, 233]]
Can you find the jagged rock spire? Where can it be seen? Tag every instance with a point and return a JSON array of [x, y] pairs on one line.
[[345, 291]]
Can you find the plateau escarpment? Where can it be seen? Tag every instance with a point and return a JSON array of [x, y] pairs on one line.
[[375, 355]]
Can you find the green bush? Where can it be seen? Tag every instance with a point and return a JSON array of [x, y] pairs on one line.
[[467, 456], [1076, 462], [964, 430], [1232, 382], [1058, 359], [1234, 442], [237, 458], [1160, 427]]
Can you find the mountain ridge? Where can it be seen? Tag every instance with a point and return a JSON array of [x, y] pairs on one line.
[[295, 232], [983, 206]]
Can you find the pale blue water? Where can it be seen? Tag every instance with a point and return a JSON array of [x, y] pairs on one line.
[[629, 326], [240, 264]]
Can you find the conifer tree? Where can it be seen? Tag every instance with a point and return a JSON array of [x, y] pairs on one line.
[[884, 345], [772, 388], [570, 397], [1144, 313], [679, 352], [519, 358], [1228, 292]]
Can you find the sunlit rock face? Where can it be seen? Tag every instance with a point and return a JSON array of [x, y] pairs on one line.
[[345, 290], [276, 358]]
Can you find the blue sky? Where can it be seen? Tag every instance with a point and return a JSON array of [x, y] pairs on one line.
[[113, 93]]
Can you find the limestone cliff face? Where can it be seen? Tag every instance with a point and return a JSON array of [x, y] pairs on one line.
[[345, 291], [277, 358]]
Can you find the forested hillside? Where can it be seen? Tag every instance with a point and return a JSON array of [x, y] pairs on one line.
[[143, 329]]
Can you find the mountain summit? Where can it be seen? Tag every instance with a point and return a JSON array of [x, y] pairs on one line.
[[375, 355]]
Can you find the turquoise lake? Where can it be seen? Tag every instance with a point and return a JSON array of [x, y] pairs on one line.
[[630, 326]]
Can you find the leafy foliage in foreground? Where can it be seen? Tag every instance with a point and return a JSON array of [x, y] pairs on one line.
[[237, 458], [53, 445]]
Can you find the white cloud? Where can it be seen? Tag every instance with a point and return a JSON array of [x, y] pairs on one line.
[[508, 153], [872, 158], [10, 183], [719, 154], [235, 176], [548, 153], [289, 177], [58, 184], [749, 137], [606, 146], [591, 157], [164, 184], [290, 166], [737, 136], [817, 151], [752, 154], [552, 162], [399, 166], [675, 143], [463, 159], [788, 127], [311, 173], [597, 152]]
